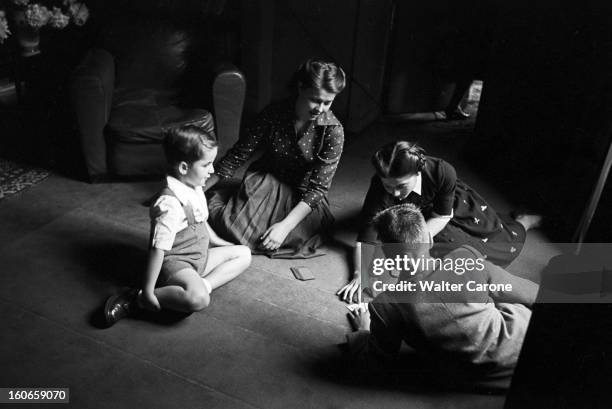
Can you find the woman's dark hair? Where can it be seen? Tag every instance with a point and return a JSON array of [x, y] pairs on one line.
[[187, 143], [398, 159], [319, 74]]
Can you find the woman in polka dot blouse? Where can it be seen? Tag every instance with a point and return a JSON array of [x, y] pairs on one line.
[[281, 207], [456, 214]]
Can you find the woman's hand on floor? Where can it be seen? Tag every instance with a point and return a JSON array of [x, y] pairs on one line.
[[349, 293], [275, 236]]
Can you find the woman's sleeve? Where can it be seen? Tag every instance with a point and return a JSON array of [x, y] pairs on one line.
[[325, 165], [445, 194], [245, 147], [371, 205]]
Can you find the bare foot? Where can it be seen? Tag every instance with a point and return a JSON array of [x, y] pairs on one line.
[[529, 221]]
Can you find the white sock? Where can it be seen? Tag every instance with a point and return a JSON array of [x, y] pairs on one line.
[[207, 285]]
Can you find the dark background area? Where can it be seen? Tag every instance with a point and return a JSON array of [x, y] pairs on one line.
[[544, 121]]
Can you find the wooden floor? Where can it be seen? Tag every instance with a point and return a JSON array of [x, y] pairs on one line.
[[267, 340]]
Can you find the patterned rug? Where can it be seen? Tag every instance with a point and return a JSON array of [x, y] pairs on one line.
[[15, 177]]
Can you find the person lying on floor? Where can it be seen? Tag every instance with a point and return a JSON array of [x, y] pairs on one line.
[[182, 270], [468, 338], [456, 214]]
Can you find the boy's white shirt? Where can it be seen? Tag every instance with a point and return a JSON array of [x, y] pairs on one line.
[[167, 213]]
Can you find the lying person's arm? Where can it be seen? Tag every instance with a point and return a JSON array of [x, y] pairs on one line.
[[375, 349], [523, 291]]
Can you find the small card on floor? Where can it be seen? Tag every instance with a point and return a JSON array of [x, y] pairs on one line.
[[302, 273]]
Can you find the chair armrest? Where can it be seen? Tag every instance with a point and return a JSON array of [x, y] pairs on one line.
[[228, 89], [91, 91]]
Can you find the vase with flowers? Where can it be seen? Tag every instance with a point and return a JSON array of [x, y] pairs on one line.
[[26, 18]]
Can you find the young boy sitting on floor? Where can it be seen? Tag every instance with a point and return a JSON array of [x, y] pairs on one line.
[[182, 270], [466, 338]]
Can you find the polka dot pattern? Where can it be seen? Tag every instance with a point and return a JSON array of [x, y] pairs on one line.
[[306, 159]]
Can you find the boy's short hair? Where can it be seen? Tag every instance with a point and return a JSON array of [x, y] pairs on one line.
[[187, 143], [402, 223]]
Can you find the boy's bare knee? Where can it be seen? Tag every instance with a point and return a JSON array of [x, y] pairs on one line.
[[244, 253], [197, 301]]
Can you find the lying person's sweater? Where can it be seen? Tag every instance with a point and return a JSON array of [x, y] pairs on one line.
[[474, 335]]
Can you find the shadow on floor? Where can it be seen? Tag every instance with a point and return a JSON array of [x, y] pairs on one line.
[[122, 265], [119, 263], [163, 317], [408, 374]]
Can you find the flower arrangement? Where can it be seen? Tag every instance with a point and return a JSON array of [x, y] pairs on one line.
[[56, 14], [4, 28]]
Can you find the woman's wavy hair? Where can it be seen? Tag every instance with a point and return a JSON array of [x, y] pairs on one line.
[[398, 159], [319, 74]]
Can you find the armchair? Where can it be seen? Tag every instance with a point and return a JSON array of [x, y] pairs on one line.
[[146, 76]]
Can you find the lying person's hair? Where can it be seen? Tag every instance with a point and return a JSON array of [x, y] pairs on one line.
[[403, 223]]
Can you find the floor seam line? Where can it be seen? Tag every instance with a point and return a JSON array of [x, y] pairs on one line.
[[294, 347], [298, 312]]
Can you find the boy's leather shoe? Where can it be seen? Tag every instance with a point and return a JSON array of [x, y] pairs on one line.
[[120, 305]]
